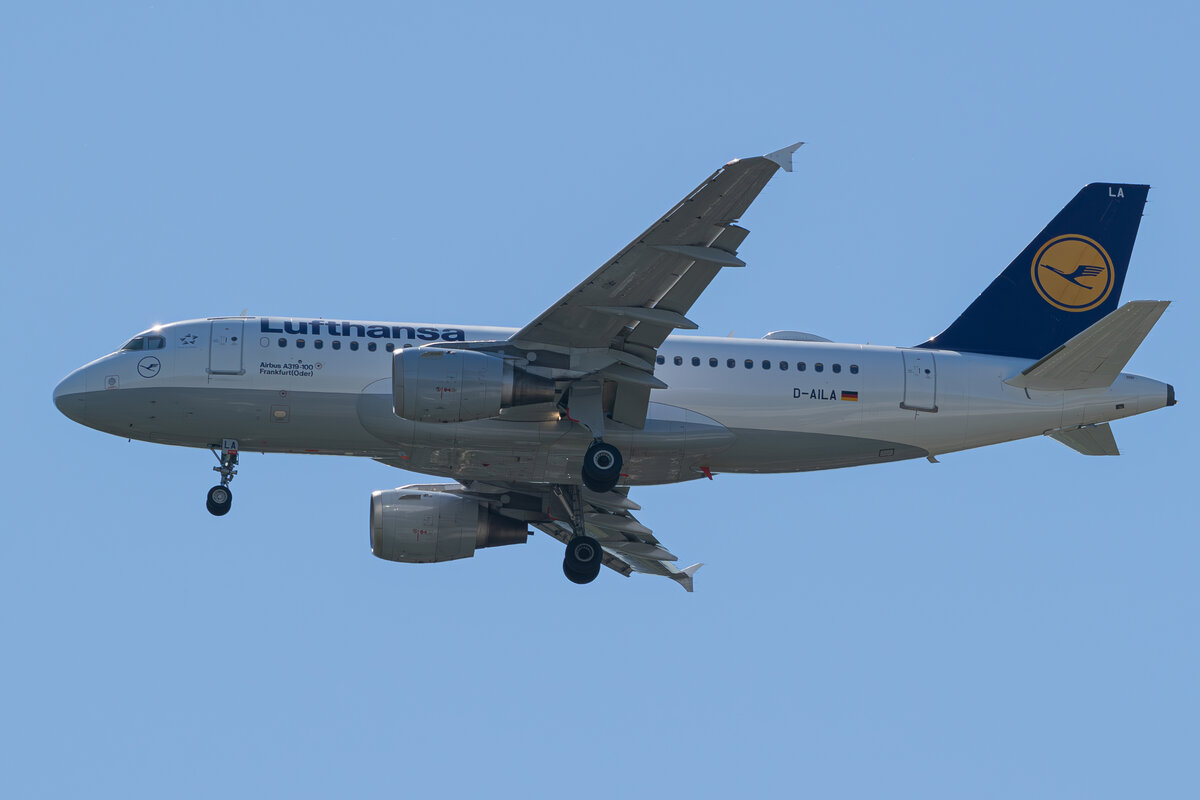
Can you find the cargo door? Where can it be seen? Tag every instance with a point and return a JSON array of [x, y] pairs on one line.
[[920, 381], [225, 347]]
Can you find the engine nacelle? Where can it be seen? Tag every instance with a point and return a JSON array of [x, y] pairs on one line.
[[419, 526], [438, 385]]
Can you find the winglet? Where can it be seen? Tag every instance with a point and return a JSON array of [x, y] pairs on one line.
[[684, 576], [784, 157]]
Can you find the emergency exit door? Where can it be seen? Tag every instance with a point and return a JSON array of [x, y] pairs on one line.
[[920, 381], [225, 347]]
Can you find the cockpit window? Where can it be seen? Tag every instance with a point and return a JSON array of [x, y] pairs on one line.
[[145, 343]]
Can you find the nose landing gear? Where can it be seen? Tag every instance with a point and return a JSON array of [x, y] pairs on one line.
[[220, 498]]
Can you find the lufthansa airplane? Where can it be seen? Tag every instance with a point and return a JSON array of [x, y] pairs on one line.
[[550, 425]]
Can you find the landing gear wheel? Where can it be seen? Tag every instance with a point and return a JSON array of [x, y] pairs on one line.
[[579, 577], [219, 497], [601, 467], [583, 559], [219, 500]]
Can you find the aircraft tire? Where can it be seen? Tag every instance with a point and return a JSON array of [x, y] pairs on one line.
[[577, 577], [219, 501], [583, 559], [601, 467]]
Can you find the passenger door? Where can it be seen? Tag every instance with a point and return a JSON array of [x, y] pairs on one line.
[[225, 347], [920, 381]]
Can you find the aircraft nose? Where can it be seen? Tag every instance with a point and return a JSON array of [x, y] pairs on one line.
[[70, 395]]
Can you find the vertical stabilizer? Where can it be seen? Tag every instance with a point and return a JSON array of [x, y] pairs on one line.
[[1069, 277]]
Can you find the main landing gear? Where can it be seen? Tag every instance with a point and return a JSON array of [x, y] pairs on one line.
[[601, 471], [583, 558], [602, 462], [220, 498], [601, 467]]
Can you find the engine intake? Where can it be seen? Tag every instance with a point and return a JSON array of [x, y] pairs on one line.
[[439, 385], [419, 525]]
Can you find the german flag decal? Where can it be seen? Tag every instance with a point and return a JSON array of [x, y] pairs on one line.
[[850, 396]]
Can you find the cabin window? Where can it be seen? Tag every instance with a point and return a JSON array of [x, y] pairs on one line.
[[353, 345], [318, 343], [678, 360], [783, 365], [282, 342], [854, 369], [660, 360], [800, 366], [766, 364], [712, 362], [371, 346], [837, 367], [337, 345], [729, 363], [300, 343], [390, 347], [818, 367], [749, 363], [695, 361]]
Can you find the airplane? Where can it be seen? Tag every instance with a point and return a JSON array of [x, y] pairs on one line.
[[551, 425]]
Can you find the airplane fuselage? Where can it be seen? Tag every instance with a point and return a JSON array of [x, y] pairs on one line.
[[548, 424], [284, 385]]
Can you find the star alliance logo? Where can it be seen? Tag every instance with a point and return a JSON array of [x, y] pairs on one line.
[[187, 340]]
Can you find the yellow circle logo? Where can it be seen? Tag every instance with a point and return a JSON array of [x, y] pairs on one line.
[[1073, 273]]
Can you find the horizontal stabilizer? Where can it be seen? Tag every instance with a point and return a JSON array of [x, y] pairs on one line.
[[1094, 358], [1091, 440]]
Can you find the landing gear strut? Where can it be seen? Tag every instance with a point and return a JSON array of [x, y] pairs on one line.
[[602, 462], [583, 558], [220, 498]]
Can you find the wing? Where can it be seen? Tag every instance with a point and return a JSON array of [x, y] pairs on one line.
[[616, 318], [629, 546], [643, 292]]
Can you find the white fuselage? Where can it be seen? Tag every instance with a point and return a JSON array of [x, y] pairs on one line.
[[732, 405]]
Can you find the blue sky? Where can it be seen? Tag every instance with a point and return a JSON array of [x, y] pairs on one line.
[[1014, 621]]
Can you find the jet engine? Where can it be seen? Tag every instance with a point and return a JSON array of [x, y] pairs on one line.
[[422, 524], [439, 385]]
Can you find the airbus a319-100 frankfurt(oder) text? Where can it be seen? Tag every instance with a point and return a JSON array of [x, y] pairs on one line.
[[551, 424]]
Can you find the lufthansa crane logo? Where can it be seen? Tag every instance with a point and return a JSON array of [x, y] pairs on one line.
[[1073, 273], [148, 367]]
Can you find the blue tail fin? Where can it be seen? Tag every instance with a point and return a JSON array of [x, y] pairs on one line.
[[1067, 278]]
